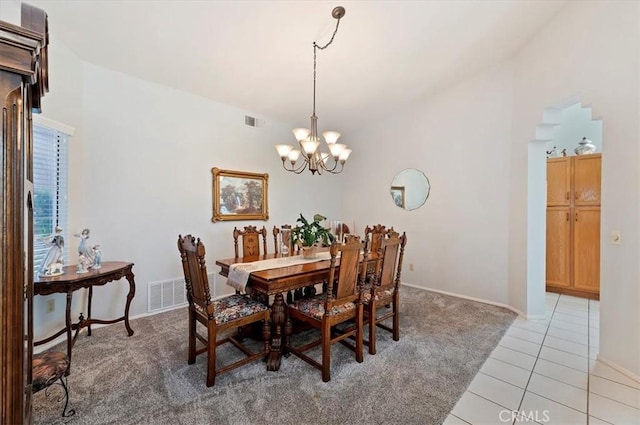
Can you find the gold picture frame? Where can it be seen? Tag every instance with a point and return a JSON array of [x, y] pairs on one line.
[[239, 195], [397, 193]]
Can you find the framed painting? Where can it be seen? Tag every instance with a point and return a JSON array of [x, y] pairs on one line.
[[397, 193], [238, 195]]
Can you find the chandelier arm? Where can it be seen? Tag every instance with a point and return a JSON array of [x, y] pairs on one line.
[[298, 170]]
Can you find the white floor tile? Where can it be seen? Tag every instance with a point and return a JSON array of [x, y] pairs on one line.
[[561, 373], [612, 411], [529, 325], [602, 370], [506, 372], [568, 335], [558, 391], [513, 357], [527, 335], [454, 420], [477, 410], [613, 390], [551, 295], [569, 310], [555, 413], [568, 346], [571, 327], [571, 319], [500, 392], [564, 358], [595, 421], [520, 345]]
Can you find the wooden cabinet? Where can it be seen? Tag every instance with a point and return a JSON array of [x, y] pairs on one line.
[[573, 225], [23, 80]]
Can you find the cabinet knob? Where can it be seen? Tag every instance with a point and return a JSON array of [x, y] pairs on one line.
[[567, 195], [576, 216]]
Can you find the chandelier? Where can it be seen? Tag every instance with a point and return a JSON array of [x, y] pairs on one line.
[[309, 141]]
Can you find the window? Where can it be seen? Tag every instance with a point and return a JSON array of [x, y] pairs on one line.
[[50, 164]]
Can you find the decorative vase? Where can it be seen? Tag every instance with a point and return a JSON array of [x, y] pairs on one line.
[[309, 252], [585, 147]]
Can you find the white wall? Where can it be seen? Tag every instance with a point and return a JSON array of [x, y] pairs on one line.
[[460, 139], [590, 51]]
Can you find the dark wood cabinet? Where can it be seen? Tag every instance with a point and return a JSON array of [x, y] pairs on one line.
[[23, 80]]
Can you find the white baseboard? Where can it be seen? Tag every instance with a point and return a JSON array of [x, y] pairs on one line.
[[619, 368], [480, 300]]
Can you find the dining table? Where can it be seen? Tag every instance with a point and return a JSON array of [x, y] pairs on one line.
[[286, 277]]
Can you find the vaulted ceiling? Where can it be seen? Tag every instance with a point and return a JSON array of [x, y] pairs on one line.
[[258, 55]]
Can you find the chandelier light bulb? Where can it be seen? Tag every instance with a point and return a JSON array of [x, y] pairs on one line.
[[331, 137], [336, 149], [283, 151], [344, 155], [294, 155], [309, 146], [301, 133]]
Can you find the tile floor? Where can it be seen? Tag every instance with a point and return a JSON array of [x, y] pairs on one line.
[[547, 370]]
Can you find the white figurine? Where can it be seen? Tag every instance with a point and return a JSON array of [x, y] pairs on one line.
[[83, 247], [54, 255], [54, 269], [81, 267], [97, 257]]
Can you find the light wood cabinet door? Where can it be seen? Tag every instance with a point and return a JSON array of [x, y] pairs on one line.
[[559, 246], [586, 256], [586, 175], [558, 181]]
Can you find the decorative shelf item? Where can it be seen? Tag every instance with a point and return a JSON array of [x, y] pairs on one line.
[[585, 147]]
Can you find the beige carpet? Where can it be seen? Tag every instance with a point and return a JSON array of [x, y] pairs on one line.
[[145, 379]]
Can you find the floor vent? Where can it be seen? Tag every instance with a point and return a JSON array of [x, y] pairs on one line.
[[166, 294]]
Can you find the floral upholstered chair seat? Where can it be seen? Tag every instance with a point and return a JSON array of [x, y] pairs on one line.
[[314, 307], [380, 294]]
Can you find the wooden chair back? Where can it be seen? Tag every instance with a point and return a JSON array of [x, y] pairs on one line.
[[276, 244], [374, 236], [350, 275], [250, 241], [389, 261], [192, 254]]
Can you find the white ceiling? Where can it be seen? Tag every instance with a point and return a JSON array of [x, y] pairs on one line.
[[258, 55]]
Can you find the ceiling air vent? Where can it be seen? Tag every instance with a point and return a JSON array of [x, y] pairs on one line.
[[250, 121]]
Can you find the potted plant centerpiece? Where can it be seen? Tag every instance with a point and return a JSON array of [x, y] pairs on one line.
[[307, 235]]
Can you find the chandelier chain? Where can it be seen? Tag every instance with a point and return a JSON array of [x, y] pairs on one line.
[[316, 46]]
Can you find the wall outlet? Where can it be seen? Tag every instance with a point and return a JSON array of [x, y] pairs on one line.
[[411, 267], [51, 306], [616, 237]]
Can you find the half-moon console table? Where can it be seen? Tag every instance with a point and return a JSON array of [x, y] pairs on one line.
[[71, 281]]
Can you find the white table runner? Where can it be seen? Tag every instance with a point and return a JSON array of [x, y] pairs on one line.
[[239, 272]]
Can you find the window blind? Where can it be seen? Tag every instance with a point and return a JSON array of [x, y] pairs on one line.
[[50, 185]]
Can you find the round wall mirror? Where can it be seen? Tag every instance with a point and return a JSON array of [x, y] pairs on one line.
[[410, 189]]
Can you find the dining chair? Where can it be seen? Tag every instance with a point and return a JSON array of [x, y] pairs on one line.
[[218, 315], [340, 303], [384, 289], [373, 236], [276, 243], [250, 241]]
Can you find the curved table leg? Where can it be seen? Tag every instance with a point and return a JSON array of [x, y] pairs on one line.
[[69, 325], [130, 295]]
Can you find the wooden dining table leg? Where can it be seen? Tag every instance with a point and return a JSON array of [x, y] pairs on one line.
[[278, 318]]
